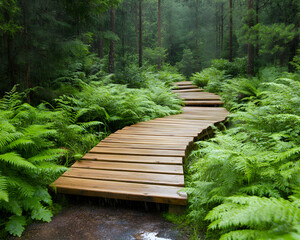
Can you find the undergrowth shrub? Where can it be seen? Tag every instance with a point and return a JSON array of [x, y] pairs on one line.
[[244, 182], [27, 163], [210, 79], [236, 68], [121, 106]]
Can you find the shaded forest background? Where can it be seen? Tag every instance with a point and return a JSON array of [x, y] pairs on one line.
[[43, 42]]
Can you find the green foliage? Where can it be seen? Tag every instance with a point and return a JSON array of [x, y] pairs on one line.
[[27, 166], [9, 12], [242, 178], [153, 55], [210, 79], [258, 217], [187, 64], [236, 68]]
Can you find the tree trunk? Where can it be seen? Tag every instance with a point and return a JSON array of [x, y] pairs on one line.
[[197, 35], [217, 31], [10, 64], [222, 26], [159, 34], [28, 83], [250, 68], [136, 28], [257, 21], [111, 58], [230, 31], [140, 35], [100, 48]]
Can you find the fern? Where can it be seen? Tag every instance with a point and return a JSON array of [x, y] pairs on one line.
[[241, 179], [258, 215]]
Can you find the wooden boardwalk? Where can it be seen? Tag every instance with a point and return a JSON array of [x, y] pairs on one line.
[[144, 161]]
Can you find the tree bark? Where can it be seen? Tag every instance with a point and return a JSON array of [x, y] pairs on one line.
[[136, 28], [197, 36], [10, 63], [217, 31], [222, 26], [257, 21], [251, 50], [159, 34], [27, 50], [230, 31], [111, 58], [140, 35], [100, 48]]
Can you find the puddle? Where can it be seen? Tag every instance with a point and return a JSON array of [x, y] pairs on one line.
[[149, 236]]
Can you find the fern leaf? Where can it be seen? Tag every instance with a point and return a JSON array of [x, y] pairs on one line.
[[16, 160], [3, 189], [15, 225], [41, 213], [48, 155]]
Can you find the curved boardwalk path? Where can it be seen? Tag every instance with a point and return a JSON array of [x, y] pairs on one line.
[[144, 161]]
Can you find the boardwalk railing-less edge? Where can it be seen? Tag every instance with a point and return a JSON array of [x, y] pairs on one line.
[[144, 161]]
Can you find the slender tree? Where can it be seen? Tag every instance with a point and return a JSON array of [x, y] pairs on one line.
[[230, 30], [111, 58], [140, 35], [159, 33], [136, 27], [197, 35], [217, 31], [251, 50], [28, 83]]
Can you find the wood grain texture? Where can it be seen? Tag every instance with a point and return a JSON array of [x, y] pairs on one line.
[[120, 176], [143, 162]]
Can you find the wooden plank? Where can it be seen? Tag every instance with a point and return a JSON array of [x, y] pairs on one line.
[[186, 87], [196, 117], [139, 145], [198, 96], [201, 110], [120, 176], [183, 83], [183, 139], [133, 158], [169, 120], [169, 126], [121, 190], [153, 132], [144, 152], [187, 90], [132, 167], [202, 103], [145, 141]]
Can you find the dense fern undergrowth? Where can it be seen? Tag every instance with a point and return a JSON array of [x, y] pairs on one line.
[[244, 183], [38, 143]]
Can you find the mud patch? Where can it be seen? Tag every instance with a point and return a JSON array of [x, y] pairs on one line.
[[90, 222]]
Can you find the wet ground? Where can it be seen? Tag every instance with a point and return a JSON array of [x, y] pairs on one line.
[[87, 220]]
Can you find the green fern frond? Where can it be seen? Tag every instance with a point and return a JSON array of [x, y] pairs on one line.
[[16, 160], [39, 131], [3, 189], [254, 213], [15, 225], [48, 155], [87, 125], [20, 144]]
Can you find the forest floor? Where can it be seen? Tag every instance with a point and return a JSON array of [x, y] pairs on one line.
[[86, 220]]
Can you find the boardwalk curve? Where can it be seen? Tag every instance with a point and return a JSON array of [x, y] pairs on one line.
[[144, 161]]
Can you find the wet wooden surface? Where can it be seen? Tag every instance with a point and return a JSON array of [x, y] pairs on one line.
[[144, 161]]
